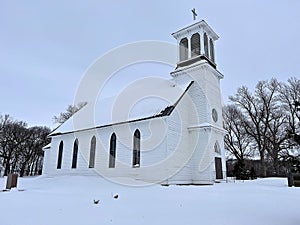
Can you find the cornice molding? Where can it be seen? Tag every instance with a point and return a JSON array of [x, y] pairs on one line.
[[201, 25], [195, 67], [207, 126]]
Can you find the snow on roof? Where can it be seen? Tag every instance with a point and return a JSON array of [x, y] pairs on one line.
[[146, 99]]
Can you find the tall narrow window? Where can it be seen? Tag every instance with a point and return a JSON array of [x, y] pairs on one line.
[[92, 152], [206, 45], [112, 151], [136, 149], [212, 50], [195, 44], [183, 49], [75, 154], [60, 153]]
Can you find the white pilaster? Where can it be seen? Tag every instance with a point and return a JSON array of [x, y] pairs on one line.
[[189, 47]]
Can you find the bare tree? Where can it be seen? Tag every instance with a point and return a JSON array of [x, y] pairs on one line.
[[21, 147], [32, 149], [70, 111], [13, 135], [237, 141], [277, 138], [257, 110], [290, 104]]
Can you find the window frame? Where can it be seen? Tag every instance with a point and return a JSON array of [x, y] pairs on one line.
[[112, 151], [93, 144], [60, 155], [75, 154], [136, 153], [195, 45], [183, 49]]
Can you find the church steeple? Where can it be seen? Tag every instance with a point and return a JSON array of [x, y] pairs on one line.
[[196, 42]]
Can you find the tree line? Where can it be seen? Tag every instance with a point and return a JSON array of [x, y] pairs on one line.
[[21, 147], [264, 124]]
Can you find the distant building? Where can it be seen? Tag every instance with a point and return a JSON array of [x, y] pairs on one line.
[[192, 148]]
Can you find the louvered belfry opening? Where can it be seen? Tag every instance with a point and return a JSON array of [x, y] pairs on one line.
[[195, 45], [183, 49]]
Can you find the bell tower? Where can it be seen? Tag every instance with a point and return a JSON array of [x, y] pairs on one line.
[[197, 62], [196, 42]]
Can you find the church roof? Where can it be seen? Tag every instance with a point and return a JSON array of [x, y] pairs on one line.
[[156, 99]]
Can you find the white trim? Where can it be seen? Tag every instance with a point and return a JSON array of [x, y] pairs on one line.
[[190, 68], [48, 146], [194, 28], [207, 126]]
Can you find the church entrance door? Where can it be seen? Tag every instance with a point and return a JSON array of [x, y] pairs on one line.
[[218, 167]]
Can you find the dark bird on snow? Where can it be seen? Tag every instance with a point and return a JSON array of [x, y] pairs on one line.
[[116, 196], [96, 201]]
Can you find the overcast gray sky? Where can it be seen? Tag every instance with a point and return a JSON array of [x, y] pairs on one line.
[[46, 46]]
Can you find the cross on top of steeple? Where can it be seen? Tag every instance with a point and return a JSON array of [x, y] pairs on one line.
[[194, 13]]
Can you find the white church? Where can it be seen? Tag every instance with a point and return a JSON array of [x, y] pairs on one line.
[[174, 138]]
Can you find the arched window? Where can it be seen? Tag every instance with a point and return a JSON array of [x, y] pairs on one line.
[[217, 148], [92, 152], [112, 151], [195, 44], [212, 50], [206, 53], [183, 49], [136, 149], [60, 154], [75, 154]]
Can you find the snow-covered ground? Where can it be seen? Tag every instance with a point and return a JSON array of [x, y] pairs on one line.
[[69, 200]]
